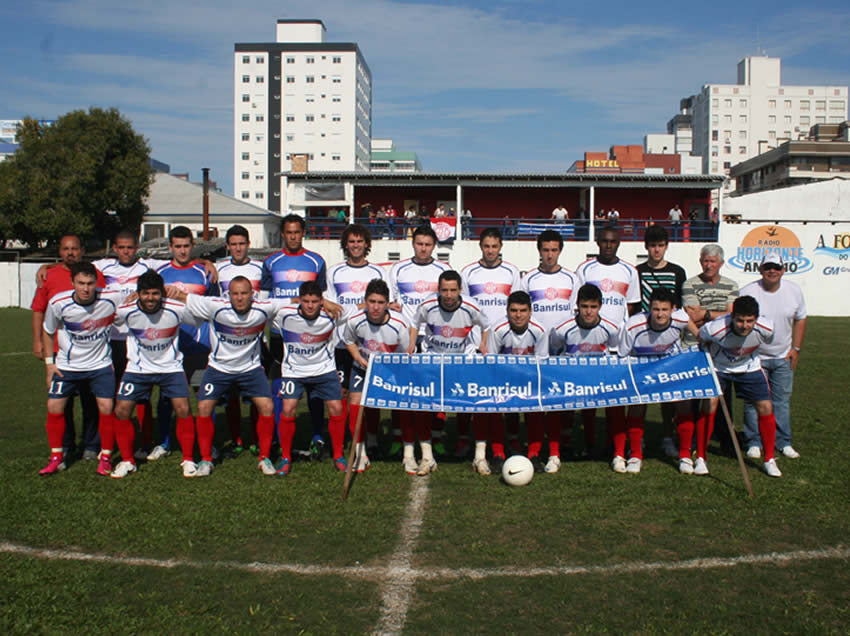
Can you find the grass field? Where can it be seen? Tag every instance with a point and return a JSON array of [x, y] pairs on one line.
[[583, 551]]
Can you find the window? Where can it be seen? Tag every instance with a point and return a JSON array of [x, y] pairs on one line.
[[715, 102], [336, 99], [804, 104], [246, 156], [290, 79], [714, 135], [742, 119], [309, 118], [727, 135], [335, 157], [727, 165], [290, 118], [336, 79], [290, 138], [820, 120], [310, 79], [309, 99], [311, 60], [246, 79], [836, 105], [336, 118], [787, 104], [259, 138], [246, 59], [804, 120], [245, 175], [787, 119], [290, 60], [246, 194], [246, 98], [715, 119], [727, 103], [811, 91], [742, 103], [260, 59], [727, 119], [246, 137], [771, 119], [337, 60], [259, 118], [742, 134], [786, 134], [771, 134], [258, 195], [713, 166], [771, 103], [727, 150], [820, 105], [260, 79], [246, 117], [714, 151], [742, 150]]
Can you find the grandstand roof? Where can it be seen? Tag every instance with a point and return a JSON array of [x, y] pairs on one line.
[[176, 199]]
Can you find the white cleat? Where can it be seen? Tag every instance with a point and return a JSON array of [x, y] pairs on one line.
[[618, 464], [159, 451], [426, 467], [634, 465], [772, 469], [266, 466], [789, 452], [669, 448], [686, 466], [122, 470], [753, 452], [362, 463], [410, 466], [700, 467], [205, 469], [553, 465], [190, 468], [481, 466]]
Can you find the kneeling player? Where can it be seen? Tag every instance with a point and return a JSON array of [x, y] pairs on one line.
[[652, 333], [308, 364], [152, 359], [733, 342], [376, 329]]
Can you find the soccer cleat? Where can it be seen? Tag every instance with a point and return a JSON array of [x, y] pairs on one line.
[[341, 464], [700, 467], [462, 449], [618, 464], [686, 466], [90, 455], [669, 448], [789, 452], [54, 465], [141, 454], [317, 448], [123, 469], [753, 452], [634, 465], [266, 466], [439, 448], [553, 465], [283, 467], [190, 468], [395, 449], [496, 464], [426, 467], [159, 451], [409, 464], [205, 469], [104, 465], [481, 466], [362, 463], [537, 464], [772, 469]]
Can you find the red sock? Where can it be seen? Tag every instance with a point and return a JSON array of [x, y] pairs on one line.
[[372, 417], [265, 431], [617, 432], [345, 406], [353, 414], [206, 433], [233, 413], [535, 424], [286, 431], [125, 433], [496, 426], [186, 437], [55, 429], [336, 429], [767, 430], [553, 433], [615, 420], [634, 428], [426, 424], [705, 427], [685, 429], [408, 423], [588, 423], [145, 418], [464, 423], [107, 432]]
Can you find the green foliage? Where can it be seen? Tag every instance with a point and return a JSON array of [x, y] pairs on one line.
[[88, 174]]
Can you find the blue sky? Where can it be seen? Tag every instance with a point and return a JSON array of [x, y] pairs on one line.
[[470, 86]]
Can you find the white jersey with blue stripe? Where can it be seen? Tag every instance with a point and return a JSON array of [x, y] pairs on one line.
[[490, 287], [347, 288], [152, 340], [392, 336], [252, 269], [551, 295], [449, 331], [638, 338], [308, 348], [733, 353], [570, 338], [411, 283], [83, 330], [619, 283], [124, 278], [534, 341]]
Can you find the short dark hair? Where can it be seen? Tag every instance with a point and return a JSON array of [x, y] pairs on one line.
[[83, 267], [377, 286], [150, 280], [664, 295], [240, 279], [310, 288], [589, 292], [655, 234], [425, 230], [237, 230], [182, 232], [449, 274], [72, 235], [490, 232], [608, 228], [745, 306], [127, 234], [519, 297], [293, 218], [355, 229], [549, 235]]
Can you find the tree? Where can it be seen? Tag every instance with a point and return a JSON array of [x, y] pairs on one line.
[[88, 174]]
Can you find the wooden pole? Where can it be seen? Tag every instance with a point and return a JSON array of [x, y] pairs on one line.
[[734, 437], [346, 486]]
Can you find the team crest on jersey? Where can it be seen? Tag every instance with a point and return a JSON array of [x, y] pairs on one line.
[[309, 338], [151, 333], [89, 323], [586, 347], [373, 345], [606, 285], [240, 331], [490, 288], [358, 286], [447, 331], [551, 293], [181, 286], [422, 286], [292, 275]]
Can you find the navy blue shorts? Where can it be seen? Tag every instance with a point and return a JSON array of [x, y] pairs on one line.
[[751, 386], [217, 384], [357, 379], [137, 387], [101, 382], [344, 362], [324, 387]]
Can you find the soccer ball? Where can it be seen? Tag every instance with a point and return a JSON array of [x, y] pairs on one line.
[[517, 470]]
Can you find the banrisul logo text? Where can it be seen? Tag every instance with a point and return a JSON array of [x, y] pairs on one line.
[[770, 238]]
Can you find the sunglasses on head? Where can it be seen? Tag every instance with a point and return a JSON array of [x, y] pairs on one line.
[[772, 266]]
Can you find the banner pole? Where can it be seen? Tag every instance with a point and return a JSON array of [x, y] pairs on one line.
[[346, 484]]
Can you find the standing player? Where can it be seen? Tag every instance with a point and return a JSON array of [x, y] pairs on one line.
[[375, 329], [308, 364], [734, 341], [448, 320], [153, 359], [411, 281], [237, 325], [655, 332], [83, 319], [519, 335], [657, 273], [587, 333], [347, 284], [488, 281]]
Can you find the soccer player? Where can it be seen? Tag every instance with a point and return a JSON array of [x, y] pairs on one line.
[[374, 329], [82, 320], [448, 319], [518, 335], [656, 273], [347, 284], [488, 281], [782, 301], [236, 331], [617, 279], [587, 333], [152, 324], [411, 281], [734, 341], [308, 364], [655, 332]]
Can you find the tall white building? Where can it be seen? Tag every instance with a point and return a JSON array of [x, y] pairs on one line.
[[733, 122], [298, 95]]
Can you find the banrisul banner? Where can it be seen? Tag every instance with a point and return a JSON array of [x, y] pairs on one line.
[[490, 384]]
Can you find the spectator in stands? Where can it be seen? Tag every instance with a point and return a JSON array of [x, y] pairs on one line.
[[601, 215], [466, 223], [560, 214], [391, 216], [440, 212], [675, 217], [613, 216]]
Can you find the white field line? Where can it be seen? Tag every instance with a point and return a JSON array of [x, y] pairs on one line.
[[16, 353]]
